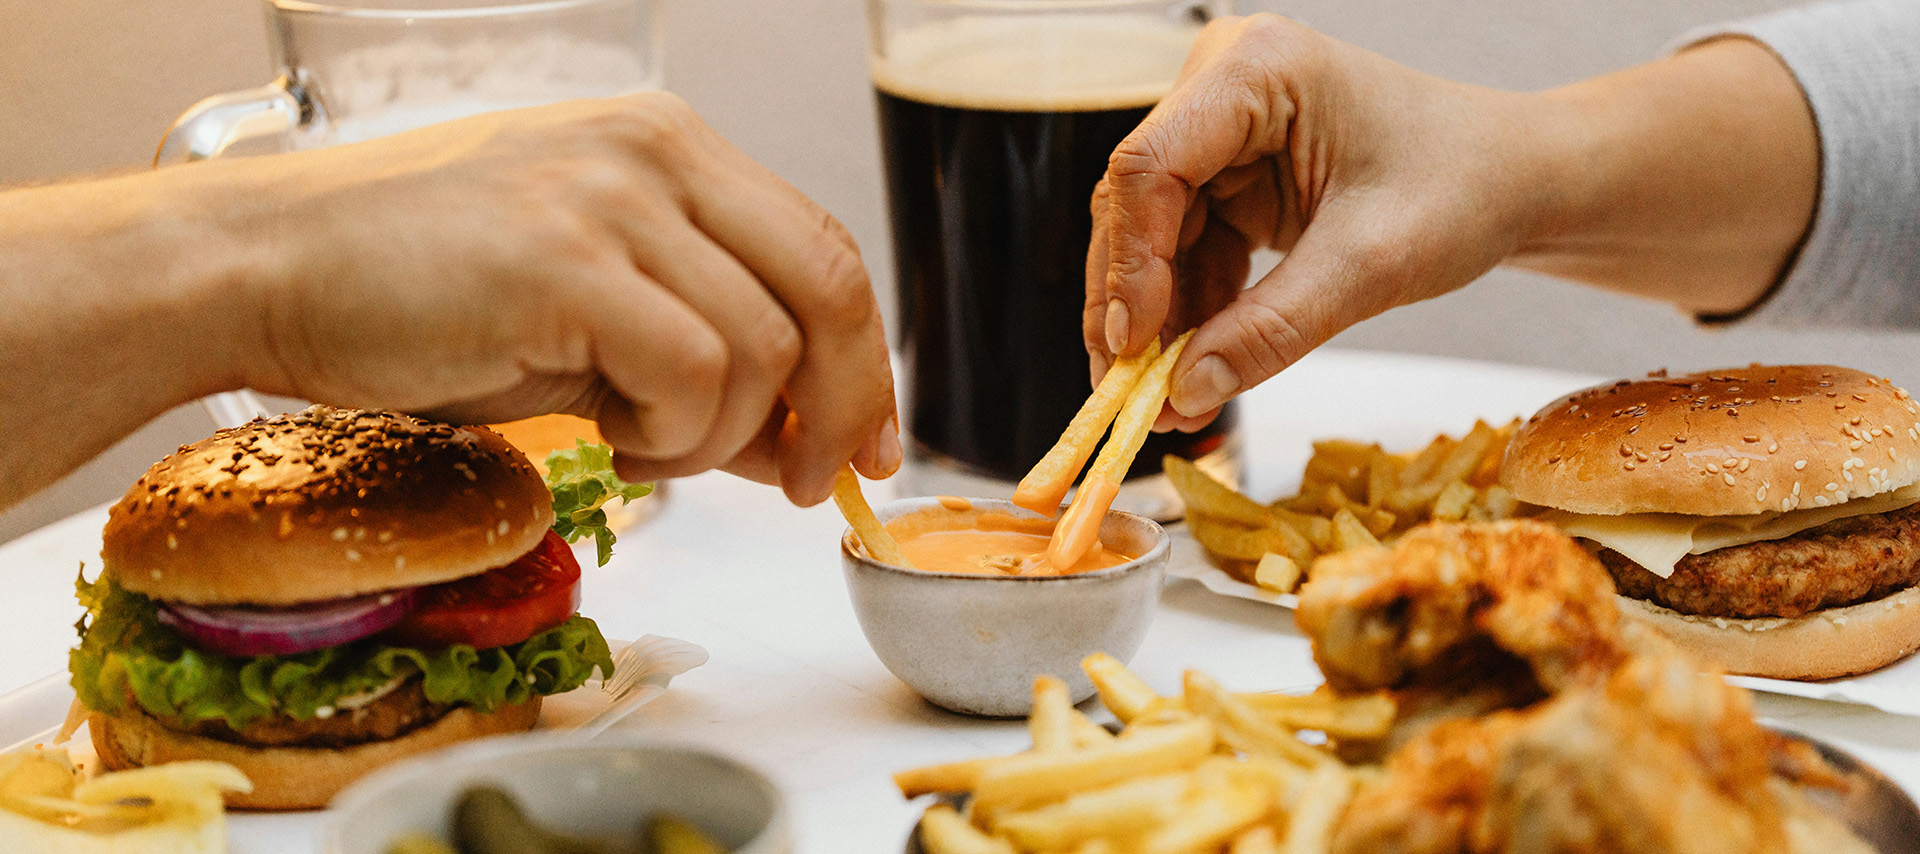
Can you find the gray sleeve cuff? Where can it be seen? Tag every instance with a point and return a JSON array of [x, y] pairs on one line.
[[1859, 64]]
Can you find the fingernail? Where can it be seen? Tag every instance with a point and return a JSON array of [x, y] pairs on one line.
[[1207, 385], [888, 457], [1097, 367], [1117, 318]]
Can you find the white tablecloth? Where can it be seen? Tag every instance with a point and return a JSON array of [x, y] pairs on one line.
[[792, 686]]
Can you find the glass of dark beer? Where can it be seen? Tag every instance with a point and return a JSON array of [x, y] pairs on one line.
[[996, 120]]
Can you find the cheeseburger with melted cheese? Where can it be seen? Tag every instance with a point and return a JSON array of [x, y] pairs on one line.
[[312, 595], [1764, 518]]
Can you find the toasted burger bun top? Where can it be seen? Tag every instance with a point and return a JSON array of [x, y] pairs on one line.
[[322, 504], [1719, 443]]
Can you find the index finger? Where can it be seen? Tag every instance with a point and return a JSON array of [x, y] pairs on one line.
[[1231, 106]]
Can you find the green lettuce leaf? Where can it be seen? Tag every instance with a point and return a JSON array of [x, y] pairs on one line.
[[125, 652], [582, 481]]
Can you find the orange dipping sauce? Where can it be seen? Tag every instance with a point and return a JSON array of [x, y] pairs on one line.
[[957, 538]]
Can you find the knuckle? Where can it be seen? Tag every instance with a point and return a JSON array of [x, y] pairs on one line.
[[1270, 339], [657, 125], [1141, 152], [778, 343], [843, 298], [1125, 268], [703, 363]]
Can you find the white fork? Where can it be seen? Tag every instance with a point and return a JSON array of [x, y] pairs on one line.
[[641, 672]]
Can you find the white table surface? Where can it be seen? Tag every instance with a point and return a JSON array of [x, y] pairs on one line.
[[792, 686]]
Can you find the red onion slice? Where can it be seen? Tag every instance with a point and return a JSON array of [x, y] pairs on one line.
[[250, 631]]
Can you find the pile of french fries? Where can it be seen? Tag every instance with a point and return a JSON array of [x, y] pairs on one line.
[[46, 807], [1207, 770], [1352, 495]]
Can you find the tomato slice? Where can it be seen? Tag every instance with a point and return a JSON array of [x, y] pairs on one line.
[[498, 607]]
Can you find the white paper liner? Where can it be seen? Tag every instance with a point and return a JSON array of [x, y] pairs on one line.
[[1894, 689], [1187, 560]]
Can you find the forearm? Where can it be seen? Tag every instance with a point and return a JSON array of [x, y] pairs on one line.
[[119, 302], [1691, 180]]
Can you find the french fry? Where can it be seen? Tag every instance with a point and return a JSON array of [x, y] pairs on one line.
[[1499, 502], [1210, 497], [1340, 462], [1487, 473], [1079, 527], [1244, 729], [1278, 573], [943, 831], [1465, 457], [1048, 481], [1317, 529], [1364, 716], [880, 545], [1031, 779], [1348, 533], [1423, 463], [944, 778], [1310, 828], [1122, 691], [1051, 721], [1208, 820], [1383, 473], [1123, 811], [1249, 544], [1453, 502], [1259, 839], [1086, 733]]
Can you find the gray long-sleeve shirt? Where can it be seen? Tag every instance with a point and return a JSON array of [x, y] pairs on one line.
[[1859, 64]]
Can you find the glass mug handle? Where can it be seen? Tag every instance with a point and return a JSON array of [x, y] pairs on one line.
[[205, 131], [209, 128]]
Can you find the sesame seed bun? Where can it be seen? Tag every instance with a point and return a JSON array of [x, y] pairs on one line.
[[1825, 644], [1719, 443], [291, 778], [322, 504]]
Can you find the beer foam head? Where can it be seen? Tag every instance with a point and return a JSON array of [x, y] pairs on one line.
[[1036, 63]]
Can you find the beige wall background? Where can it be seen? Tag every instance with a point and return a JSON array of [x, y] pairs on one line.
[[90, 85]]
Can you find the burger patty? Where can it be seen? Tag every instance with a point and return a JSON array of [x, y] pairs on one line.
[[1844, 562], [394, 714]]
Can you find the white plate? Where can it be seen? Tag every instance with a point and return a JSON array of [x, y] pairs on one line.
[[33, 714]]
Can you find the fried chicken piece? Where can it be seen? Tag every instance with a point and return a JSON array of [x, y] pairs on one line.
[[1379, 616], [1460, 620], [1612, 741]]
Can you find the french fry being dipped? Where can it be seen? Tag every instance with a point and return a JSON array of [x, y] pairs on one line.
[[880, 545], [1046, 484], [1079, 526]]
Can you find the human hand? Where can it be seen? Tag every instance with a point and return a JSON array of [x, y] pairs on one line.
[[614, 259], [1691, 179], [1383, 185]]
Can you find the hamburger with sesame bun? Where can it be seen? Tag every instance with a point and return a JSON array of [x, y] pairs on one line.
[[312, 595], [1764, 518]]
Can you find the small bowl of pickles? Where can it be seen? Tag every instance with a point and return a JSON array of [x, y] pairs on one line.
[[559, 793]]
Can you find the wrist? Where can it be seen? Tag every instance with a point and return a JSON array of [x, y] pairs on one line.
[[1691, 179]]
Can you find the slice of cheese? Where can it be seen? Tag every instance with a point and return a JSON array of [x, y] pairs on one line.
[[1657, 541]]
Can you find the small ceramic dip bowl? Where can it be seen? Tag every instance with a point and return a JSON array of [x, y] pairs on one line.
[[598, 788], [974, 643]]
